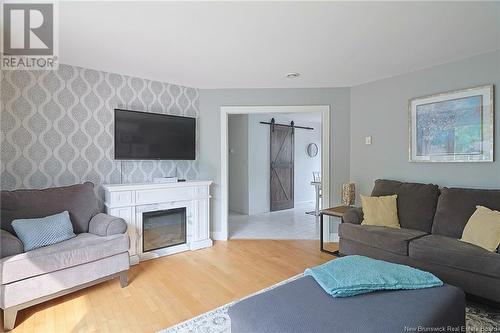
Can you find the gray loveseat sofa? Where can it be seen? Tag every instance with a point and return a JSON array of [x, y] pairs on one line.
[[432, 221], [98, 252]]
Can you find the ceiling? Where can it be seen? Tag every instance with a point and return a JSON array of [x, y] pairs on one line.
[[254, 44]]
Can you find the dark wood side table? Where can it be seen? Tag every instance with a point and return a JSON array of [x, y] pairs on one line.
[[337, 211]]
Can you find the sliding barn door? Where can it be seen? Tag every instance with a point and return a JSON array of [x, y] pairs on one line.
[[282, 145]]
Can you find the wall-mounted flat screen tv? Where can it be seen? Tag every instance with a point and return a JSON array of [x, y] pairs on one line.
[[153, 136]]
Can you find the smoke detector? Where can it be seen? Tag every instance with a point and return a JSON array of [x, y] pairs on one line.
[[292, 75]]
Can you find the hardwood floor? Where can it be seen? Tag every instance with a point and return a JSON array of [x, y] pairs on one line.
[[166, 291]]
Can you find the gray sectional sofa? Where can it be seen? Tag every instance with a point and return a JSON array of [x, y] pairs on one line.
[[432, 221], [97, 253]]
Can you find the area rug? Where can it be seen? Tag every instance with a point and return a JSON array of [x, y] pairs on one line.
[[479, 318]]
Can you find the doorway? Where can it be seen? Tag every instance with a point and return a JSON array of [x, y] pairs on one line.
[[323, 157]]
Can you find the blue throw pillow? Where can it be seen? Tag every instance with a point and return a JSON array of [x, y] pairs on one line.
[[38, 232]]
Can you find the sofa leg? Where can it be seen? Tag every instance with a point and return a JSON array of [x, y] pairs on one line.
[[123, 279], [9, 318]]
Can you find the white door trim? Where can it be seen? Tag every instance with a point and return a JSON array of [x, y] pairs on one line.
[[325, 154]]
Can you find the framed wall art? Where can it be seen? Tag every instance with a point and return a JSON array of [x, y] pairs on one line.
[[455, 126]]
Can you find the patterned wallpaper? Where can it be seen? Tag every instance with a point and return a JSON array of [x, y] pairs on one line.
[[57, 127]]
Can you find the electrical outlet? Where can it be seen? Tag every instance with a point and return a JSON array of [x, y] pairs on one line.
[[368, 140]]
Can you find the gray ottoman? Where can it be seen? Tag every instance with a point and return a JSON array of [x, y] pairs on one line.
[[303, 306]]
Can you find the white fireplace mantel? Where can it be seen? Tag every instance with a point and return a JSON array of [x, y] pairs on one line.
[[130, 201]]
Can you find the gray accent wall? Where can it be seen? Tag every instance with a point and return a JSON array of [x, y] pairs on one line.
[[380, 109], [212, 99], [57, 126]]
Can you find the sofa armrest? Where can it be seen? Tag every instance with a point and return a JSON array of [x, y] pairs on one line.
[[10, 244], [105, 225], [353, 215]]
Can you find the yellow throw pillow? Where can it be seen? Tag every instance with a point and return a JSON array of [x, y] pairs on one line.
[[381, 211], [483, 229]]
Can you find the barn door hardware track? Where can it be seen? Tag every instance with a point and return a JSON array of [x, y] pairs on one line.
[[292, 125]]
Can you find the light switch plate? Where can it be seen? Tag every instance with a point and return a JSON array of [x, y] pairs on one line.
[[368, 140]]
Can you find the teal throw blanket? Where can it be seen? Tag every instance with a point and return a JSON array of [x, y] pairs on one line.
[[354, 275]]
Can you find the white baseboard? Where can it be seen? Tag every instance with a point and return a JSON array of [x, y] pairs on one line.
[[218, 235], [134, 260], [200, 244]]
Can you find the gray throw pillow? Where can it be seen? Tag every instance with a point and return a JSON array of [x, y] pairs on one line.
[[38, 232]]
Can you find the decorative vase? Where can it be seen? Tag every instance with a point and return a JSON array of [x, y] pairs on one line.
[[348, 194]]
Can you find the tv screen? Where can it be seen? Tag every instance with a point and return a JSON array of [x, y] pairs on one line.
[[153, 136]]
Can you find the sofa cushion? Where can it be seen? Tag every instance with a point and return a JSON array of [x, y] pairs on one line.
[[381, 211], [79, 200], [483, 229], [81, 249], [388, 239], [10, 244], [416, 202], [451, 252], [456, 206], [43, 231], [26, 290]]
